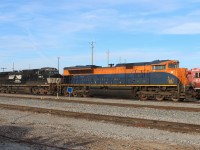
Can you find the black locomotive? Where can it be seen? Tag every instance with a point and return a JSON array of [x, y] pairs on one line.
[[34, 81]]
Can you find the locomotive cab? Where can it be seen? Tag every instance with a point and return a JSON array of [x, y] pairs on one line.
[[168, 65], [172, 77], [51, 75]]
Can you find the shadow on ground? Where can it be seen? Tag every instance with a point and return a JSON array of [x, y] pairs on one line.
[[15, 137]]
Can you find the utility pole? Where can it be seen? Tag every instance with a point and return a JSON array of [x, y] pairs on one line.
[[92, 46], [3, 68], [108, 55], [13, 67], [58, 64]]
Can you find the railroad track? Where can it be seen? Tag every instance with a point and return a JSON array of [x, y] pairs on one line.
[[127, 121], [64, 100]]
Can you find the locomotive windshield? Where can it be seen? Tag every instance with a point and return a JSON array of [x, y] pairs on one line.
[[51, 72], [197, 75], [159, 67], [173, 65]]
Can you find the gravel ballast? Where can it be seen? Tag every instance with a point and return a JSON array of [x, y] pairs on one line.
[[53, 132], [81, 128], [144, 113]]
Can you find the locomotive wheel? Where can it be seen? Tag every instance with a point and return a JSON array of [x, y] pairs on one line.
[[34, 91], [41, 91], [45, 91], [65, 92], [75, 93], [174, 98], [143, 97], [160, 97], [85, 94], [6, 91], [80, 94]]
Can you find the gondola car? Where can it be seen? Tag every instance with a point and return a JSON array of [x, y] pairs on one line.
[[159, 79]]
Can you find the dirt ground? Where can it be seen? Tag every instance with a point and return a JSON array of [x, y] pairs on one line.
[[19, 136]]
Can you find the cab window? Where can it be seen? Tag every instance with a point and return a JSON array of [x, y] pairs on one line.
[[197, 75], [159, 67], [172, 66]]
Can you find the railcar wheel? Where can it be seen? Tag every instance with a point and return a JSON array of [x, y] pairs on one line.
[[160, 97], [143, 97]]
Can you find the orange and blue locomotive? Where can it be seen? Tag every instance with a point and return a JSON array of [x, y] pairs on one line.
[[159, 79]]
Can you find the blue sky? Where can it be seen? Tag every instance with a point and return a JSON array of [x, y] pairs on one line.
[[34, 33]]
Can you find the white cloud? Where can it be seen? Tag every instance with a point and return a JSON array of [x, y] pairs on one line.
[[72, 17], [186, 28]]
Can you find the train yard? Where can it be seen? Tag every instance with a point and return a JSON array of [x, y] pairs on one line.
[[123, 123]]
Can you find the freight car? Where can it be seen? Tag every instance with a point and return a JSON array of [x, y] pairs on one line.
[[34, 81], [159, 79]]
